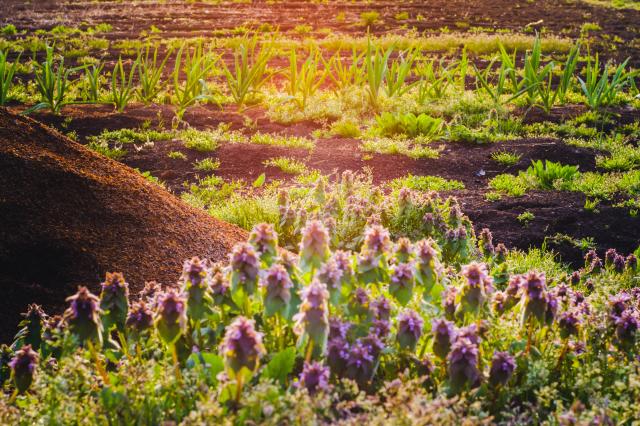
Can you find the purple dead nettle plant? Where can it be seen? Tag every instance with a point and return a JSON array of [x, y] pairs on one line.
[[609, 257], [140, 318], [245, 266], [444, 334], [196, 282], [362, 360], [170, 317], [314, 246], [359, 303], [632, 263], [312, 320], [221, 290], [569, 324], [114, 301], [409, 327], [376, 241], [402, 282], [314, 378], [477, 288], [23, 367], [31, 327], [626, 327], [428, 268], [619, 263], [277, 286], [83, 316], [462, 365], [265, 241], [535, 297], [403, 251], [337, 354], [485, 242], [331, 274], [502, 367], [449, 304], [380, 308]]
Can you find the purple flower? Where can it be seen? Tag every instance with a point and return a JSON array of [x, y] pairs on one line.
[[403, 250], [331, 274], [618, 303], [140, 317], [463, 365], [428, 266], [220, 289], [568, 323], [626, 328], [314, 246], [632, 263], [360, 363], [478, 285], [114, 300], [499, 302], [380, 328], [376, 240], [359, 303], [83, 316], [277, 286], [609, 257], [31, 328], [536, 296], [149, 292], [575, 278], [486, 243], [402, 282], [242, 346], [314, 377], [449, 302], [337, 355], [444, 334], [381, 308], [502, 367], [265, 241], [501, 253], [409, 329], [196, 275], [313, 317], [589, 258], [619, 263], [338, 329], [472, 332], [244, 268], [23, 367], [170, 317]]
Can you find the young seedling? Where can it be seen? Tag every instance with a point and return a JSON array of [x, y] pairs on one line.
[[7, 73]]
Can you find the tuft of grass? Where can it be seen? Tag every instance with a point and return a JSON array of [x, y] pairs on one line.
[[177, 155], [287, 165], [426, 183], [506, 158], [102, 147], [207, 165], [282, 140], [369, 18], [526, 217]]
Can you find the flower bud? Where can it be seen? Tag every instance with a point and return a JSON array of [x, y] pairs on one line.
[[23, 367], [83, 316], [244, 268], [409, 329], [242, 346], [314, 377], [376, 240], [381, 308], [444, 334], [609, 257], [502, 367], [478, 285], [463, 365], [535, 293], [403, 250], [31, 326], [618, 263], [149, 292], [312, 319], [485, 241], [264, 240], [170, 317], [114, 301], [140, 317], [277, 291], [314, 246], [428, 267], [402, 282], [195, 281], [568, 323]]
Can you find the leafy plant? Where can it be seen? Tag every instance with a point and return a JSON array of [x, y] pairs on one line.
[[306, 80], [92, 82], [122, 89], [377, 66], [287, 165], [506, 158], [410, 125], [249, 73], [7, 73], [598, 87], [343, 74], [397, 74], [549, 172], [150, 73], [195, 64], [52, 83]]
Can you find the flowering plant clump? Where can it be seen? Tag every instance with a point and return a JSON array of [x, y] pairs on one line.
[[326, 336], [114, 301]]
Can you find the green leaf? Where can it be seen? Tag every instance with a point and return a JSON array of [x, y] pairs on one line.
[[281, 365], [260, 181], [213, 363]]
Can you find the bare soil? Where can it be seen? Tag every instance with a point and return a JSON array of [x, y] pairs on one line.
[[68, 215]]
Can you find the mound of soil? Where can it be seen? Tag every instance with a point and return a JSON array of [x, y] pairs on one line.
[[68, 215]]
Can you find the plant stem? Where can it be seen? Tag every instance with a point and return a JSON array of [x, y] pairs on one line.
[[176, 364], [98, 362]]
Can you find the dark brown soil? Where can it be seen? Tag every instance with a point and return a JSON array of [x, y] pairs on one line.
[[189, 19], [67, 216]]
